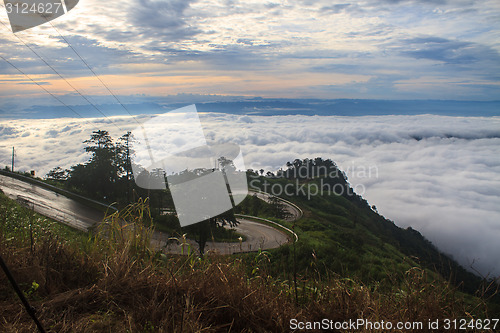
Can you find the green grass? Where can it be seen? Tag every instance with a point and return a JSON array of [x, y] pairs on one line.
[[20, 224], [115, 282]]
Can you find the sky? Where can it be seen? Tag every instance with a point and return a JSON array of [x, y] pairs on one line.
[[384, 49], [438, 173]]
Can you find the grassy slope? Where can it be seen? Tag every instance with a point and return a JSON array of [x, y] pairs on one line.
[[95, 285], [344, 235]]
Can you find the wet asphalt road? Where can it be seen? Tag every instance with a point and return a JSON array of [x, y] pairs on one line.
[[258, 236], [51, 204]]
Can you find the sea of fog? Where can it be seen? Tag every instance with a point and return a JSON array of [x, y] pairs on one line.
[[438, 174]]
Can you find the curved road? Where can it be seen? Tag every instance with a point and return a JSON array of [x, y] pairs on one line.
[[294, 212], [81, 217], [50, 203], [258, 236]]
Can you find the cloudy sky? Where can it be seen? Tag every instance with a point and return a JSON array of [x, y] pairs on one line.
[[437, 49], [438, 174]]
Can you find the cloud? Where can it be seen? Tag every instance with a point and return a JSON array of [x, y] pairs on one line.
[[449, 51], [162, 19], [337, 8], [52, 134], [246, 119], [7, 131], [41, 83], [66, 128], [435, 2]]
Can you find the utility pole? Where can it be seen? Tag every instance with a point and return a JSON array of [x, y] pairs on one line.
[[12, 169]]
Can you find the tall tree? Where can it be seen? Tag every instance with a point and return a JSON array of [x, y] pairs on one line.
[[102, 166], [204, 228], [124, 152], [99, 140], [278, 208]]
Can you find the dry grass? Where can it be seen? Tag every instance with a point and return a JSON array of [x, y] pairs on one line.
[[117, 284]]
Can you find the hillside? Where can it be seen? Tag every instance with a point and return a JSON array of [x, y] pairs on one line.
[[349, 263], [345, 234]]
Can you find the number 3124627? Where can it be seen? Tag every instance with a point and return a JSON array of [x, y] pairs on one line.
[[40, 8]]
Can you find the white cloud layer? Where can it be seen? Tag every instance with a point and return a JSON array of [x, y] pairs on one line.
[[440, 175]]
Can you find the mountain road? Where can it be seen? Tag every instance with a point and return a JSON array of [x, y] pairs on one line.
[[71, 212]]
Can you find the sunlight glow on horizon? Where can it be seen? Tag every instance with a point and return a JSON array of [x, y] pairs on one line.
[[369, 49]]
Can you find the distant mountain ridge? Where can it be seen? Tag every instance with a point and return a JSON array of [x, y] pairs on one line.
[[354, 107], [269, 107]]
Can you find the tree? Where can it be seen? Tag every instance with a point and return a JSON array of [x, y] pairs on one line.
[[256, 205], [79, 177], [99, 140], [124, 152], [103, 168], [58, 174], [208, 226], [97, 177], [226, 164], [205, 227], [278, 208]]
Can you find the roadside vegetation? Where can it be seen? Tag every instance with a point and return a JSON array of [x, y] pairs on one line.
[[113, 280]]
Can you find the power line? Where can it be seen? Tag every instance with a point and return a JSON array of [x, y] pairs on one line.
[[108, 89], [93, 72], [65, 80], [48, 92], [97, 76]]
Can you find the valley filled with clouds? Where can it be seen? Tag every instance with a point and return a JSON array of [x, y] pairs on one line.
[[438, 174]]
